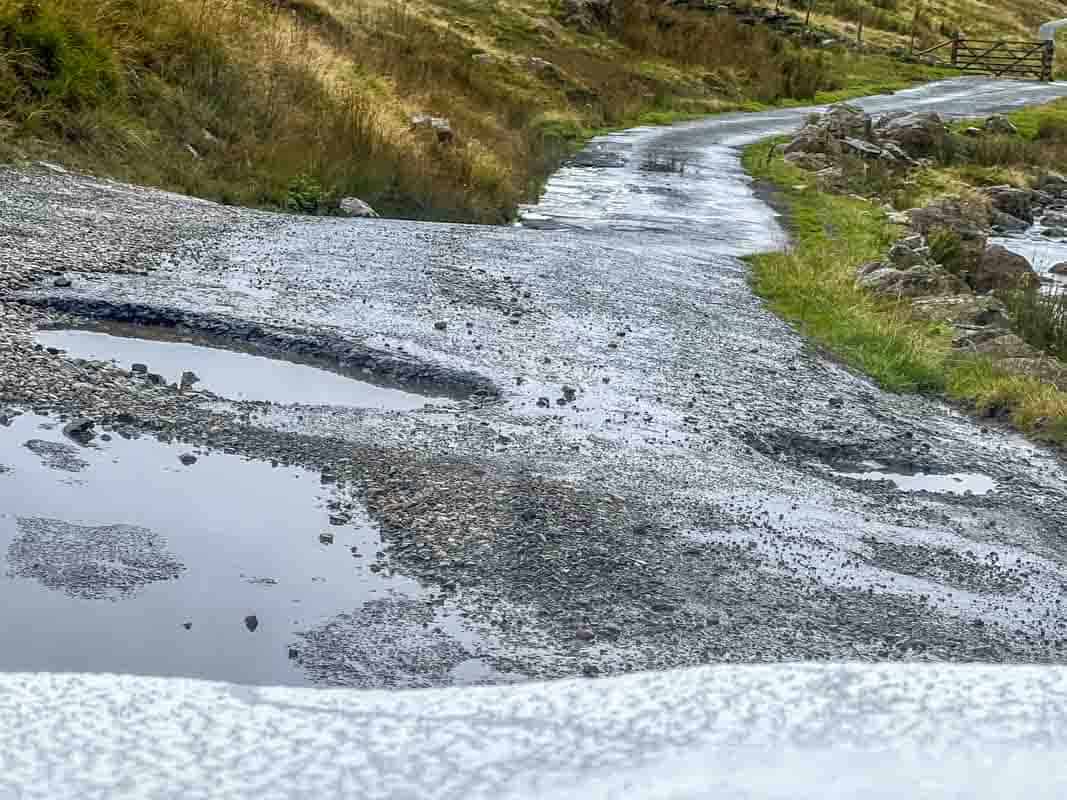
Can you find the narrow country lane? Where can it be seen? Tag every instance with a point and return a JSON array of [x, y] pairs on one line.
[[640, 467]]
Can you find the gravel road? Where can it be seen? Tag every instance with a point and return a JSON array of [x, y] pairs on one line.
[[641, 467]]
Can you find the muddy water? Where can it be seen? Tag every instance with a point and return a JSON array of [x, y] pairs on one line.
[[119, 557], [228, 373], [956, 483]]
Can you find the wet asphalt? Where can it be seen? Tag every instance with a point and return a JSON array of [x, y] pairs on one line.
[[643, 467]]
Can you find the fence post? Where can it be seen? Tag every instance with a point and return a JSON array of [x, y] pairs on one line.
[[807, 18], [956, 49], [915, 27], [1048, 61], [859, 29]]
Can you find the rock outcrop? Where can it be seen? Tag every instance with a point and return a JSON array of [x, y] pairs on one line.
[[1000, 269], [588, 15], [843, 129]]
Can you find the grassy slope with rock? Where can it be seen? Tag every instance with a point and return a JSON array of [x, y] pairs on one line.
[[836, 232], [299, 102]]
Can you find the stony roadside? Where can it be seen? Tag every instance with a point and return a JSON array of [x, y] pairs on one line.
[[688, 494]]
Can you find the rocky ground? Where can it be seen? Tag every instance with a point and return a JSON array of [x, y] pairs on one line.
[[949, 265], [644, 468]]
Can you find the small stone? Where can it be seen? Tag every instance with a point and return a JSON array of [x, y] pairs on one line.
[[544, 402], [570, 393], [440, 325], [140, 369], [81, 428], [188, 459], [340, 519], [326, 538], [61, 283], [293, 653], [187, 625], [836, 402], [189, 379], [585, 634], [590, 670], [1059, 269], [664, 608], [252, 622]]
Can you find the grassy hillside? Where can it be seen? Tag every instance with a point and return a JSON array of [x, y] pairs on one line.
[[297, 102]]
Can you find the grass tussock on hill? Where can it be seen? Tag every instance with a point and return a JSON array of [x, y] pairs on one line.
[[297, 102]]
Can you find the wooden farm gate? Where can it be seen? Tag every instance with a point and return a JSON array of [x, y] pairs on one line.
[[998, 58]]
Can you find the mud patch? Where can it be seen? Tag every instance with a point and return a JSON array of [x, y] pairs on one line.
[[392, 636], [945, 565], [901, 454], [57, 455], [91, 563]]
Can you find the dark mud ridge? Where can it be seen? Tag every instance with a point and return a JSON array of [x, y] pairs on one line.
[[321, 348]]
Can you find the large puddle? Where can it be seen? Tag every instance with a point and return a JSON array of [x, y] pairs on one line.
[[227, 373], [128, 556], [961, 483]]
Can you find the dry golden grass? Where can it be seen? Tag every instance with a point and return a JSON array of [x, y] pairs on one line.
[[302, 101]]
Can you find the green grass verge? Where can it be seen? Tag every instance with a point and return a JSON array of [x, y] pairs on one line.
[[813, 286]]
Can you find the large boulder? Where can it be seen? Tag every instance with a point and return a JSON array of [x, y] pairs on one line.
[[904, 256], [921, 281], [964, 310], [354, 207], [588, 15], [1017, 202], [1053, 183], [918, 133], [814, 138], [864, 149], [967, 218], [1000, 125], [1007, 223], [1059, 269], [999, 268], [1007, 345], [843, 120]]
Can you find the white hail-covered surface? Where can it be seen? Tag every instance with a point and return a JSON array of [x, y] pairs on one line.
[[785, 731]]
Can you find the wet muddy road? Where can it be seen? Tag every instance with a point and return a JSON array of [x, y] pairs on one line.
[[637, 466]]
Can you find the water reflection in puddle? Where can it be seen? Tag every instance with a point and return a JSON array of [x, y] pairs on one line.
[[229, 374], [957, 483], [122, 558]]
